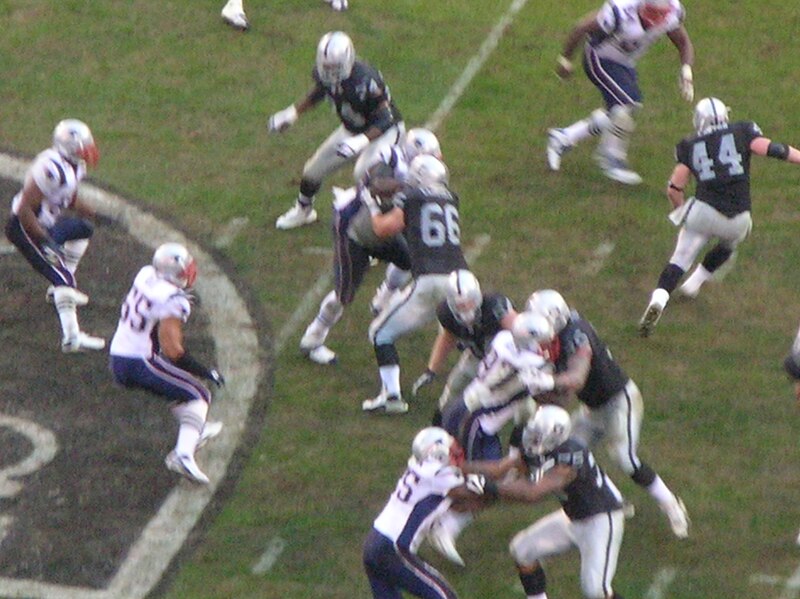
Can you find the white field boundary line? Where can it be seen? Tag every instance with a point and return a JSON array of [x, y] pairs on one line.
[[237, 352], [663, 579]]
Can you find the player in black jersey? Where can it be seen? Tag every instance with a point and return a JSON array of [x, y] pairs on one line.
[[591, 519], [718, 157], [469, 320], [369, 121], [612, 408], [426, 213]]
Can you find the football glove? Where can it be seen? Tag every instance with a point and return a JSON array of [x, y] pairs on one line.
[[215, 376], [53, 252], [687, 83], [425, 379], [352, 146], [282, 120], [475, 483]]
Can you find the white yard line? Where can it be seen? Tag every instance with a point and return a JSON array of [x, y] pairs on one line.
[[663, 579], [274, 549], [791, 589], [230, 231]]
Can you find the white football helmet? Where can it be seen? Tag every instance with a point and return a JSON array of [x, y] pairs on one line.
[[550, 303], [174, 263], [421, 141], [547, 429], [710, 114], [532, 331], [433, 443], [335, 57], [427, 171], [73, 140], [464, 296]]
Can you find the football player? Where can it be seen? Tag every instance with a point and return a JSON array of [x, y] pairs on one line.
[[468, 320], [616, 37], [51, 239], [611, 404], [432, 483], [718, 157], [355, 242], [148, 352], [426, 213], [233, 15], [591, 516], [513, 370], [369, 121]]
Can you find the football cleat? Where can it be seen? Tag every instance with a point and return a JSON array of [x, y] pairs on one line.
[[296, 216], [653, 312], [235, 17], [320, 354], [618, 170], [186, 467], [443, 543], [210, 430], [390, 404], [557, 145], [337, 5], [80, 298], [80, 342], [678, 517], [690, 290]]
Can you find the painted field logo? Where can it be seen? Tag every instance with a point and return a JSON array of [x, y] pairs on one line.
[[87, 508]]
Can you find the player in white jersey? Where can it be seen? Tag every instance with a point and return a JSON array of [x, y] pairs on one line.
[[355, 242], [616, 36], [147, 352], [513, 370], [48, 224], [431, 484]]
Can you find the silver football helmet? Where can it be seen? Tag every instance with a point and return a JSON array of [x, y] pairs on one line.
[[532, 331], [421, 141], [710, 114], [464, 296], [548, 428], [335, 57], [73, 140], [433, 443], [174, 263], [550, 303], [427, 171]]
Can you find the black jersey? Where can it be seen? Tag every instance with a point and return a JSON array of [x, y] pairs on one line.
[[358, 98], [590, 493], [432, 229], [477, 338], [606, 377], [720, 162]]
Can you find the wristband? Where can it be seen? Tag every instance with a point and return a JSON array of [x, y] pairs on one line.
[[490, 489]]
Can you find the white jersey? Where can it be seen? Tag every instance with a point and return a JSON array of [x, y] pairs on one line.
[[58, 181], [623, 38], [419, 498], [149, 300], [507, 374]]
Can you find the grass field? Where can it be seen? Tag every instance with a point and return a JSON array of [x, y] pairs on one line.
[[179, 104]]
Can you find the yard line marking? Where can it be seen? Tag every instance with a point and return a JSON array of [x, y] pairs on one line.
[[274, 548], [767, 579], [474, 65], [599, 257], [318, 250], [6, 248], [663, 579], [237, 350], [230, 231], [792, 588]]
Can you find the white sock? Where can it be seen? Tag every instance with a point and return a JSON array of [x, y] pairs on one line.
[[538, 596], [191, 417], [660, 296], [699, 276], [390, 378], [67, 311], [660, 492]]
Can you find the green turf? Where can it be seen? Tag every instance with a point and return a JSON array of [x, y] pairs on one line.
[[179, 103]]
